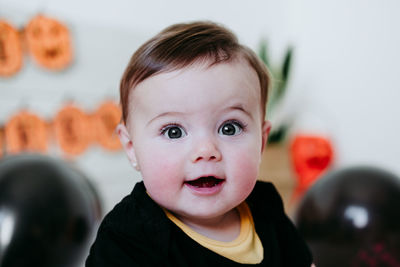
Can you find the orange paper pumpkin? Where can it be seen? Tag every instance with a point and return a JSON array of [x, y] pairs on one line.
[[1, 142], [105, 120], [311, 156], [10, 50], [26, 132], [49, 42], [71, 130]]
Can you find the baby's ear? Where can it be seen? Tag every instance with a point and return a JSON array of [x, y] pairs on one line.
[[266, 128], [127, 144]]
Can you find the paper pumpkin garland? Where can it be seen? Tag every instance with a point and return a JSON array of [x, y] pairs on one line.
[[49, 42], [26, 132], [10, 50], [105, 120], [71, 130]]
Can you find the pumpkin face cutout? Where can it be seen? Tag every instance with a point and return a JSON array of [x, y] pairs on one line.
[[49, 42], [105, 120], [10, 50], [26, 132], [71, 130]]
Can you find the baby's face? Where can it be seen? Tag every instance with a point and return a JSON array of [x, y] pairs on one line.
[[197, 136]]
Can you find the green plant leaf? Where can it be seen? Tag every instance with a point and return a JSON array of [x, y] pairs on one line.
[[278, 135], [280, 75], [287, 64], [262, 53]]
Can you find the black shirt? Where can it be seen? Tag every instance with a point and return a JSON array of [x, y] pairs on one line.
[[138, 233]]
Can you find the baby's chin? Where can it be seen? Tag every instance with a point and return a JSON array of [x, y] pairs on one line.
[[210, 215]]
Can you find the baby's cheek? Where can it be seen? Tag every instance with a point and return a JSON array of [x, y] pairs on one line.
[[247, 161], [246, 172], [161, 175]]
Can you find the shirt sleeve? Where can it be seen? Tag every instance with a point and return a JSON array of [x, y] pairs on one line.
[[113, 249], [294, 250]]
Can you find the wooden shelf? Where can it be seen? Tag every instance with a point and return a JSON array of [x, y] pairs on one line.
[[276, 168]]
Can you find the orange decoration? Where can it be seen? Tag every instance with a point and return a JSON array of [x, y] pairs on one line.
[[1, 142], [26, 132], [105, 120], [49, 42], [311, 156], [71, 130], [10, 50]]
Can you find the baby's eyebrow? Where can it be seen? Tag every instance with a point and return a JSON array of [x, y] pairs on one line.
[[240, 107], [168, 113]]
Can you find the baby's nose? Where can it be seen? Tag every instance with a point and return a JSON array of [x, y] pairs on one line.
[[207, 151]]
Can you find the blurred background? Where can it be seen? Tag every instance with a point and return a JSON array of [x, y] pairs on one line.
[[343, 83]]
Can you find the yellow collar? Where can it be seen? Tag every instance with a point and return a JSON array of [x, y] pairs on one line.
[[246, 248]]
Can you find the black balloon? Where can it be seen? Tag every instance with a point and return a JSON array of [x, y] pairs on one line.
[[48, 211], [351, 217]]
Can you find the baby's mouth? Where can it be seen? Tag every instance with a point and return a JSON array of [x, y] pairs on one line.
[[204, 182]]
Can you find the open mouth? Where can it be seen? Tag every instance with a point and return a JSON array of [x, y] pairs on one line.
[[205, 182]]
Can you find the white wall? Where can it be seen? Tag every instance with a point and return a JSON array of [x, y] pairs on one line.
[[347, 74], [344, 84]]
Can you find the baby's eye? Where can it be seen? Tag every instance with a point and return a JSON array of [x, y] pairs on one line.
[[230, 128], [173, 132]]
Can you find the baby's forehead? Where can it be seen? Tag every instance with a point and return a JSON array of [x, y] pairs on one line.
[[237, 69], [199, 86]]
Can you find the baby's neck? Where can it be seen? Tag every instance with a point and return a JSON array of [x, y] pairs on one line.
[[224, 228]]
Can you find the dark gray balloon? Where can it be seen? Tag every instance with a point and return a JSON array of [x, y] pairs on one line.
[[351, 217], [48, 211]]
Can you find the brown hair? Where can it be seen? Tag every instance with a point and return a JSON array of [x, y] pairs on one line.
[[181, 45]]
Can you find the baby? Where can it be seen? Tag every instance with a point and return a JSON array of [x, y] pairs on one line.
[[193, 102]]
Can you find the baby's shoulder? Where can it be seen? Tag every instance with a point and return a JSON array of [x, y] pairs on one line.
[[266, 191], [265, 199], [134, 215], [126, 234], [123, 218]]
